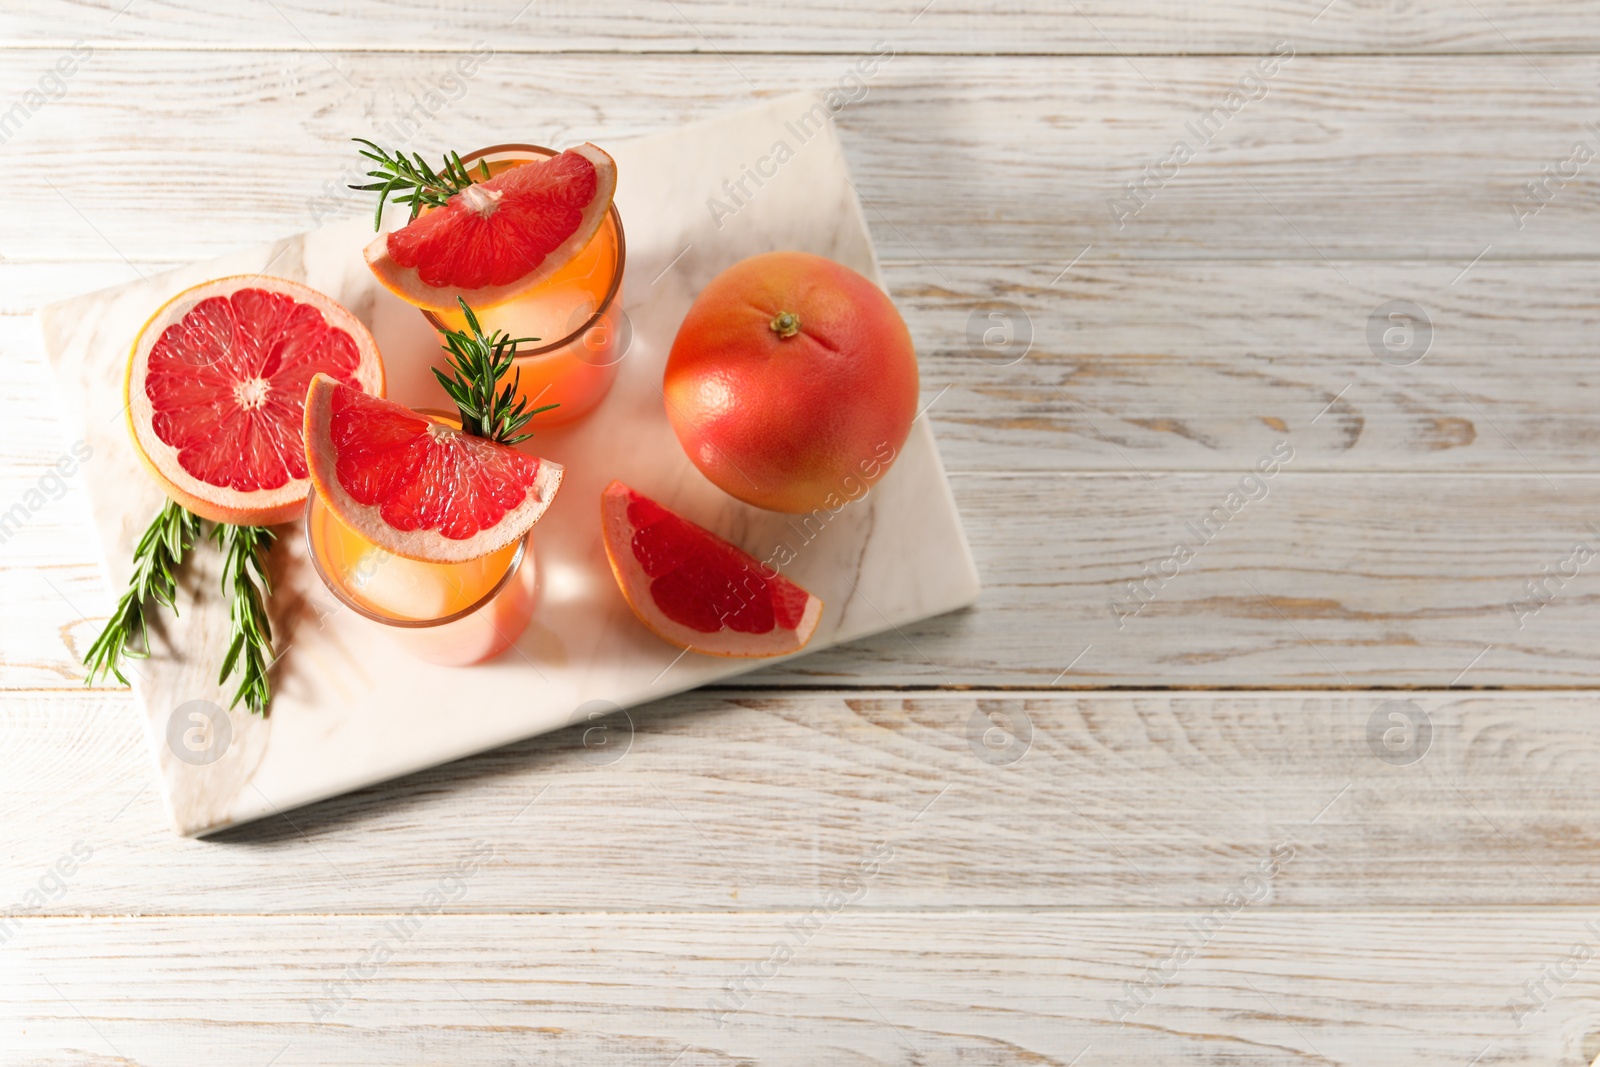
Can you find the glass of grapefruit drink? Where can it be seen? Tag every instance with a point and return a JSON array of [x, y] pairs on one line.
[[454, 614], [563, 286], [421, 526]]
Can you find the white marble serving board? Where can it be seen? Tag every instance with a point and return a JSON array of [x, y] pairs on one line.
[[349, 708]]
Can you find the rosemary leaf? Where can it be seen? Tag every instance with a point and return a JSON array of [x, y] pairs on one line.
[[156, 560], [245, 583], [477, 364], [412, 181]]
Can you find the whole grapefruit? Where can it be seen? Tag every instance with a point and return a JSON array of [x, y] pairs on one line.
[[792, 383]]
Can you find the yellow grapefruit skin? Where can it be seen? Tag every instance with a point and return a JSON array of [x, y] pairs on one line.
[[528, 223], [218, 369]]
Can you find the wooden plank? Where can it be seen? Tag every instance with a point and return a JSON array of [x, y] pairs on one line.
[[1028, 158], [1408, 617], [1165, 365], [1321, 579], [1198, 365], [743, 801], [1170, 366], [1098, 27], [1422, 988], [1328, 579]]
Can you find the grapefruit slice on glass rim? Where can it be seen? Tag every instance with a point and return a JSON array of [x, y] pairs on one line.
[[501, 236], [693, 589], [216, 389], [415, 484]]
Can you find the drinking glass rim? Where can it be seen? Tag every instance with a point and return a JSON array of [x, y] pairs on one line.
[[616, 275], [315, 501]]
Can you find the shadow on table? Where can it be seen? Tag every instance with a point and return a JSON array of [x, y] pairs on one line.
[[567, 753]]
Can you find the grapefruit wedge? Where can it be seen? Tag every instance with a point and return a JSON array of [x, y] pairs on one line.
[[216, 390], [697, 591], [499, 237], [414, 484]]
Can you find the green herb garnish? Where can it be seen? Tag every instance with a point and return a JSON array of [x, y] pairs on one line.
[[477, 363], [245, 583], [156, 560], [415, 182]]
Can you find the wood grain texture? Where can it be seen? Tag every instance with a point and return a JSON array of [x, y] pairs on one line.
[[1166, 365], [1194, 380], [1097, 27], [1228, 314], [746, 801], [978, 987], [1195, 365], [1380, 157], [1327, 580]]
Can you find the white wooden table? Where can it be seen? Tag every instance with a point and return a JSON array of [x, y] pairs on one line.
[[1322, 791]]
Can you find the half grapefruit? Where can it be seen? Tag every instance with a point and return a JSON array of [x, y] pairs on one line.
[[697, 591], [500, 236], [414, 484], [216, 391]]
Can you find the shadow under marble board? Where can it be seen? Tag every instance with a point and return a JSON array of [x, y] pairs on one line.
[[349, 708]]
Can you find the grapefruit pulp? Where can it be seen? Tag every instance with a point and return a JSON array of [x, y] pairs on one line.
[[697, 591], [415, 484], [501, 236], [216, 388]]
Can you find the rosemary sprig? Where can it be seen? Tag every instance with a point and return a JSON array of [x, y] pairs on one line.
[[477, 363], [156, 560], [245, 583], [415, 182]]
